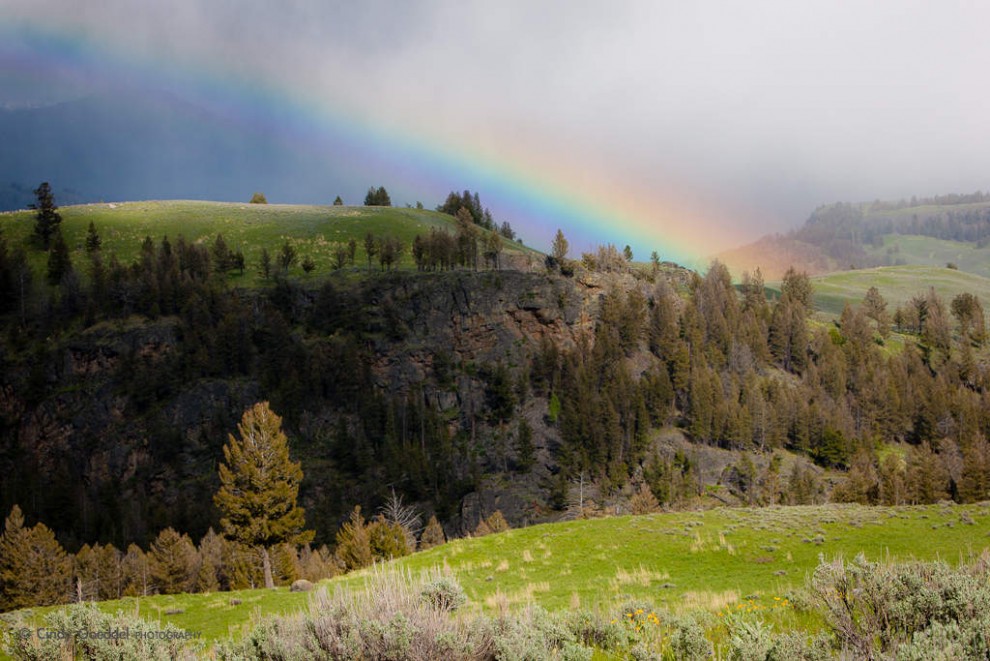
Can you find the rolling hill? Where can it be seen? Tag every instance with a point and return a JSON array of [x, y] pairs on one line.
[[705, 560], [313, 230], [929, 232], [900, 249], [897, 284]]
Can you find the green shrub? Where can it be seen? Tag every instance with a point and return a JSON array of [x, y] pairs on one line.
[[750, 640], [794, 646], [879, 609], [688, 640], [595, 631], [444, 594], [119, 636]]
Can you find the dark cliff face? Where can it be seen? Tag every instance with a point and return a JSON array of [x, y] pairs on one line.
[[472, 318], [113, 432]]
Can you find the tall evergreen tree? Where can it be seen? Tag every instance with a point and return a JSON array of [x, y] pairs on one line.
[[559, 247], [377, 197], [93, 240], [59, 260], [47, 219], [173, 562], [370, 248], [259, 486], [266, 263], [354, 542], [876, 309], [34, 568], [525, 450], [287, 256]]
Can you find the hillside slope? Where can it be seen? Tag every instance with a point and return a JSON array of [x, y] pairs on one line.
[[313, 230], [839, 236], [684, 560], [897, 284], [903, 249]]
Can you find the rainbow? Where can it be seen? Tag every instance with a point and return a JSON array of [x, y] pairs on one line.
[[534, 188]]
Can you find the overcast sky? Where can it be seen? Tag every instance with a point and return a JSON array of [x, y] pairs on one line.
[[756, 111]]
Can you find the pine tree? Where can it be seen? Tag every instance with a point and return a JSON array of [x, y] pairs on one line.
[[876, 309], [285, 564], [93, 240], [370, 248], [559, 247], [259, 487], [266, 263], [354, 542], [259, 198], [136, 572], [209, 574], [496, 522], [377, 197], [643, 501], [241, 566], [975, 482], [34, 569], [388, 539], [85, 574], [287, 256], [59, 260], [926, 478], [338, 202], [221, 255], [525, 450], [173, 562], [493, 250], [432, 535], [482, 529], [893, 490], [47, 218]]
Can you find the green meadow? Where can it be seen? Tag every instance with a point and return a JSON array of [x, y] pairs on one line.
[[927, 251], [897, 284], [714, 560], [313, 230]]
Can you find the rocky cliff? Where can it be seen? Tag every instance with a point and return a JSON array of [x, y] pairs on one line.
[[113, 431]]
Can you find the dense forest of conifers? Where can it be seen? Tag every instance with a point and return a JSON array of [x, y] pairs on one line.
[[722, 363]]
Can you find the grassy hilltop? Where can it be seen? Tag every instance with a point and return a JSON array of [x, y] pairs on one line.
[[313, 230], [711, 561], [897, 284]]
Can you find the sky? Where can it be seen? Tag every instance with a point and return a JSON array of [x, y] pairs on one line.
[[688, 126]]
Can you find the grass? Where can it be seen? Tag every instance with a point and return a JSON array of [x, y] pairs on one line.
[[743, 559], [699, 557], [897, 284], [927, 251], [313, 230]]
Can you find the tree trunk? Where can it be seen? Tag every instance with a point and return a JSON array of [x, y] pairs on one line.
[[266, 562]]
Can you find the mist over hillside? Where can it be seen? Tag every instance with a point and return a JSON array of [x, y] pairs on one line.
[[844, 236]]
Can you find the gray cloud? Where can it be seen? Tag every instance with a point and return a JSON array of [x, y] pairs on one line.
[[763, 109]]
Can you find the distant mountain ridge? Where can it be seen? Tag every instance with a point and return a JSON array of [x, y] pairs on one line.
[[844, 236]]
